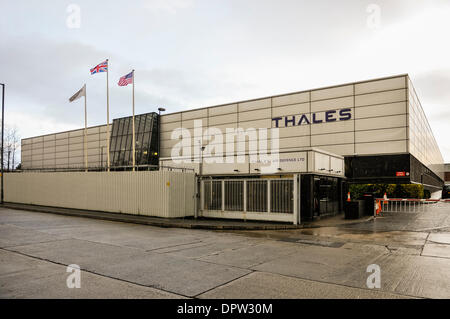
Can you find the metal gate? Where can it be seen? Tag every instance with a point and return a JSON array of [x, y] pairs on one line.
[[403, 205], [267, 199]]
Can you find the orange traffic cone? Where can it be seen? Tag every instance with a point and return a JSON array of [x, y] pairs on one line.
[[348, 197], [379, 209]]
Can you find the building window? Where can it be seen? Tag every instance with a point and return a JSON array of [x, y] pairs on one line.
[[146, 147]]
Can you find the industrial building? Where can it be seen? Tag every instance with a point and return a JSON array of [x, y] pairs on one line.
[[372, 131]]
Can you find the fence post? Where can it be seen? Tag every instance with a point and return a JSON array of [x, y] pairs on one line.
[[222, 184], [202, 195], [245, 195], [295, 199]]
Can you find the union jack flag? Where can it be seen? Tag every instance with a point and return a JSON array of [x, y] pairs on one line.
[[102, 67], [126, 79]]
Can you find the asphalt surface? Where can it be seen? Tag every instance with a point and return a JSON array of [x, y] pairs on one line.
[[122, 260]]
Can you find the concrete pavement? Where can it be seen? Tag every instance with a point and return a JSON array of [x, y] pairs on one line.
[[120, 260]]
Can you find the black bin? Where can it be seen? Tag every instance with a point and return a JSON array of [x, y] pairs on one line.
[[369, 204], [354, 209]]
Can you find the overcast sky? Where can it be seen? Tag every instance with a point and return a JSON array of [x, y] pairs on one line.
[[190, 54]]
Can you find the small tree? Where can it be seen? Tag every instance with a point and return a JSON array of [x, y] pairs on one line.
[[11, 145]]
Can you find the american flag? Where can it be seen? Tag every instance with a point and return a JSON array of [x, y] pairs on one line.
[[126, 79], [102, 67]]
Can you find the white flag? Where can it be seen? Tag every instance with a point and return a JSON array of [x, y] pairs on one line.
[[80, 93]]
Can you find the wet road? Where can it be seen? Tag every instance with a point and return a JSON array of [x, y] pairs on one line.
[[120, 260]]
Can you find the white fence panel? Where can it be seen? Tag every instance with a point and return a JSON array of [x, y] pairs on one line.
[[151, 193]]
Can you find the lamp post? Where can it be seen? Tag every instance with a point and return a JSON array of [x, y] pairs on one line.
[[3, 135], [160, 109]]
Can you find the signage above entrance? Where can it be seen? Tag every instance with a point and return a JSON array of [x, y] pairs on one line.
[[313, 118]]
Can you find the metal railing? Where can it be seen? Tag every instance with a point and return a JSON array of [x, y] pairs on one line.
[[405, 205], [249, 195], [257, 195], [282, 196]]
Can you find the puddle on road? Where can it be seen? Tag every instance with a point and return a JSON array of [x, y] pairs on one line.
[[329, 236]]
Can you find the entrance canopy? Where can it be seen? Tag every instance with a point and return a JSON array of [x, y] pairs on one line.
[[312, 160]]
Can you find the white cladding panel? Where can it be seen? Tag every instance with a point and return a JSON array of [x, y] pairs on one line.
[[310, 160], [171, 195], [64, 150], [422, 143]]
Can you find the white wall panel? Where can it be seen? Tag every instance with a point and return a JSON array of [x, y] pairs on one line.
[[94, 145], [64, 135], [381, 85], [340, 149], [62, 155], [62, 142], [36, 151], [166, 118], [169, 127], [50, 143], [335, 138], [381, 147], [62, 148], [62, 161], [254, 105], [75, 147], [294, 142], [293, 109], [91, 138], [380, 110], [290, 99], [332, 127], [37, 157], [92, 130], [37, 146], [287, 162], [380, 122], [26, 153], [256, 124], [332, 104], [223, 109], [172, 193], [254, 115], [333, 92], [49, 156], [381, 97], [299, 130], [191, 123], [74, 140], [76, 133], [226, 168], [195, 114], [381, 135], [222, 119]]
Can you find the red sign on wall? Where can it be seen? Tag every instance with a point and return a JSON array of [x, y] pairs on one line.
[[398, 174]]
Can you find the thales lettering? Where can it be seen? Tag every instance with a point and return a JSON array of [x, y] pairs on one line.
[[313, 118]]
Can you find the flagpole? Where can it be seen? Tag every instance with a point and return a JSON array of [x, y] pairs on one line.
[[85, 131], [134, 132], [107, 113]]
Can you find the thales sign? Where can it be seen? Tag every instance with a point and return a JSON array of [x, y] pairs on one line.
[[313, 118]]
